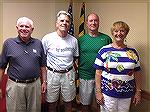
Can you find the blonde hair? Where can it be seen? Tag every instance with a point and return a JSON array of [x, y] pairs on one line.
[[120, 24]]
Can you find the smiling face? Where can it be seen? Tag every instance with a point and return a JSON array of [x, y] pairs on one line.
[[119, 35], [119, 31], [63, 23], [93, 22], [24, 28]]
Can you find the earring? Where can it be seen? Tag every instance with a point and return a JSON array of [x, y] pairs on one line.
[[125, 41]]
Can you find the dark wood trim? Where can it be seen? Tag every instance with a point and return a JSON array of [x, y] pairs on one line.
[[145, 95]]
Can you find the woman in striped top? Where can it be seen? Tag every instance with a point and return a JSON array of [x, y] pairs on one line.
[[117, 76]]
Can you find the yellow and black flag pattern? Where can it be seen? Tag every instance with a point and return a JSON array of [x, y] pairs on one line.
[[82, 20], [81, 32]]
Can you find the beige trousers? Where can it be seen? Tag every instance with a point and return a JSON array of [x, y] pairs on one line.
[[22, 97]]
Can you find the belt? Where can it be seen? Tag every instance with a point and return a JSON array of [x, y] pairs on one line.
[[60, 71], [24, 81]]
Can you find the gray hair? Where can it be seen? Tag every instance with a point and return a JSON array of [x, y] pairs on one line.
[[63, 13], [24, 19]]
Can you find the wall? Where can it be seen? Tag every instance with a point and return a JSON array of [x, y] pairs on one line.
[[43, 12], [1, 23], [148, 29]]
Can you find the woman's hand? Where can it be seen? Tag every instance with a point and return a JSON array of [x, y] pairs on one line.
[[137, 98], [99, 98]]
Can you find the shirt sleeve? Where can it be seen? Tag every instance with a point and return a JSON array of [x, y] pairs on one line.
[[98, 63], [3, 57]]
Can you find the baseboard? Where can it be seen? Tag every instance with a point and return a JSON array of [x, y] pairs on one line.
[[145, 95]]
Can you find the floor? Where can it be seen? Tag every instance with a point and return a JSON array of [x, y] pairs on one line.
[[143, 107]]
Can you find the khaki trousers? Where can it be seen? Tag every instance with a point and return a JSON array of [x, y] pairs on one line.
[[22, 97]]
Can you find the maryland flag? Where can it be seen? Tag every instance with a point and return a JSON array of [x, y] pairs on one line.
[[81, 32], [82, 20]]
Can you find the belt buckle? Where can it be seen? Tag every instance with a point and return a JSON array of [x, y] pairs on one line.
[[61, 71], [35, 79], [66, 70], [27, 81], [53, 70], [16, 80], [32, 80]]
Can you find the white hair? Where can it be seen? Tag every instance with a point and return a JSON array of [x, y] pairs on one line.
[[63, 13], [24, 19]]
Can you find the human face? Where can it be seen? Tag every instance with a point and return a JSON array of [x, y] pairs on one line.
[[63, 23], [119, 35], [93, 22], [25, 30]]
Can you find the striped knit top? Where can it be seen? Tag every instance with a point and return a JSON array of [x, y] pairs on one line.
[[118, 66]]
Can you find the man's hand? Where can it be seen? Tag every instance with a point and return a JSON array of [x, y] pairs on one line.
[[44, 87], [0, 93], [1, 74]]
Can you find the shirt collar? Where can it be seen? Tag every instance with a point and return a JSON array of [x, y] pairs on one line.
[[18, 40]]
